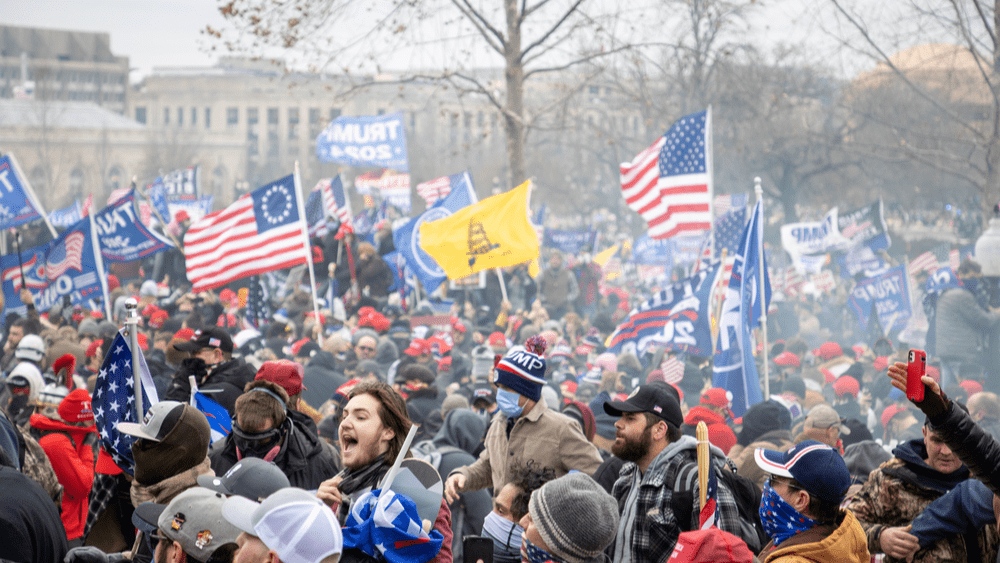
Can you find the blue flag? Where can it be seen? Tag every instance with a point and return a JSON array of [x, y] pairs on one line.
[[66, 216], [653, 252], [676, 318], [407, 237], [18, 204], [734, 367], [570, 242], [157, 194], [889, 294], [65, 266], [114, 400], [218, 417], [123, 237], [378, 141]]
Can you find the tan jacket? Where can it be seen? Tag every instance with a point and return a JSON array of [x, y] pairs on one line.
[[549, 438], [844, 543]]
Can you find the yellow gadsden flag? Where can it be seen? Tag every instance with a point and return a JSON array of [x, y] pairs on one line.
[[494, 233]]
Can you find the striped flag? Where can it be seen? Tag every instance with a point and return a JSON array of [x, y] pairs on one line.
[[922, 263], [725, 203], [668, 183], [435, 189], [954, 259], [709, 513], [260, 232], [672, 368]]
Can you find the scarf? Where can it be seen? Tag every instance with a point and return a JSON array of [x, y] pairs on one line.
[[164, 491], [781, 521], [368, 476], [534, 554]]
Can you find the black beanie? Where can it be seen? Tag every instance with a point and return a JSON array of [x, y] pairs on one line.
[[763, 418]]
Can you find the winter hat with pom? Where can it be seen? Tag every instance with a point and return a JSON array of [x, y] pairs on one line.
[[522, 369]]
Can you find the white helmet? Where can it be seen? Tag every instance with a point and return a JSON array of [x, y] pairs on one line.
[[27, 375], [31, 348]]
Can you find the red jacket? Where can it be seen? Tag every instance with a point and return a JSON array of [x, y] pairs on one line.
[[73, 462], [719, 433]]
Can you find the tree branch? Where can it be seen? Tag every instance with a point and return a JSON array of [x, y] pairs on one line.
[[552, 29], [498, 42]]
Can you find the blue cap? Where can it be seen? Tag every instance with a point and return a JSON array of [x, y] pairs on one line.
[[816, 466]]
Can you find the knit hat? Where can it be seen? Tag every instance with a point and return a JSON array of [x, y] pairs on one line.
[[607, 362], [521, 371], [762, 418], [76, 407], [285, 373], [582, 414], [575, 517], [88, 327], [452, 402], [846, 385], [193, 519]]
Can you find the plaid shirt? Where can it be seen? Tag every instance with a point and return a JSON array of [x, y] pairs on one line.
[[656, 526]]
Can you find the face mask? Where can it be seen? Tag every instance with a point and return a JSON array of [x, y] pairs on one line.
[[507, 402], [506, 537], [781, 521], [534, 554]]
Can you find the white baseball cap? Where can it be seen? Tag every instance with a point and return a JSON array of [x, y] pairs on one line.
[[292, 522]]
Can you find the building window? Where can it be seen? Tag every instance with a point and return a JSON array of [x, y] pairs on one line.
[[272, 116], [293, 124], [232, 117], [166, 116], [194, 117], [76, 181], [381, 111], [180, 116], [140, 114], [467, 126], [334, 113], [315, 122], [208, 118], [253, 117]]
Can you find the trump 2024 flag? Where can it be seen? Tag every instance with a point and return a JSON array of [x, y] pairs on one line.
[[260, 232]]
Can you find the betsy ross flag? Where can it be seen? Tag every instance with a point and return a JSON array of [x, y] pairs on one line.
[[114, 400], [260, 232], [669, 183]]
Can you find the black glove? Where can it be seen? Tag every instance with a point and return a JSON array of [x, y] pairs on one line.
[[91, 554], [934, 406], [195, 367]]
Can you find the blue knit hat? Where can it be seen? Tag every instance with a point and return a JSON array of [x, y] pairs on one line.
[[522, 371]]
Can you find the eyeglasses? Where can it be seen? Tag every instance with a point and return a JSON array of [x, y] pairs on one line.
[[775, 479]]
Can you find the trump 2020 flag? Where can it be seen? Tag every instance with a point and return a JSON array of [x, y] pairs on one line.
[[66, 216], [260, 232], [114, 400], [494, 233], [123, 237], [18, 204], [406, 238], [735, 369], [218, 417]]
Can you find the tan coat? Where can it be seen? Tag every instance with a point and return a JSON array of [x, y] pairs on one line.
[[549, 438]]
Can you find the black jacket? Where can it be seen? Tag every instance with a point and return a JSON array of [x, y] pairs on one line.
[[321, 379], [305, 459], [30, 526], [973, 445], [228, 378]]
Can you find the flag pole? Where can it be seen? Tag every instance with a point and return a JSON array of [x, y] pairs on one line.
[[102, 274], [132, 324], [503, 286], [759, 190], [711, 183], [308, 247]]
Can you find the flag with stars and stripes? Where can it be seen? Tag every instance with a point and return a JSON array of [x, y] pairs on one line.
[[725, 203], [728, 233], [709, 513], [114, 400], [387, 524], [669, 183], [257, 312]]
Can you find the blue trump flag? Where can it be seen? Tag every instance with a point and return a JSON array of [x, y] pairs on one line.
[[114, 400], [676, 318], [18, 204], [734, 367], [123, 237], [378, 141], [407, 237], [218, 417], [66, 216], [570, 242], [157, 194], [653, 252], [889, 294]]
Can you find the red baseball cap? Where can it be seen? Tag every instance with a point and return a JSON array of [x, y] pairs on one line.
[[845, 385], [880, 363], [497, 339], [719, 398], [285, 373], [787, 358], [94, 348], [828, 351], [889, 412], [711, 544], [971, 387], [418, 347]]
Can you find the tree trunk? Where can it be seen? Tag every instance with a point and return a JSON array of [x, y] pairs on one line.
[[992, 187], [514, 110]]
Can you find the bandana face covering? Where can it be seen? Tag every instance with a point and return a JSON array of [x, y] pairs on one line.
[[781, 521], [534, 554], [506, 537]]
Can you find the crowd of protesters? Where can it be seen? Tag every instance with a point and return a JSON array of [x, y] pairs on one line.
[[545, 443]]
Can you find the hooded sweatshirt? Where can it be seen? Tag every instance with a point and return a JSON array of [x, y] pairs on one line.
[[73, 462]]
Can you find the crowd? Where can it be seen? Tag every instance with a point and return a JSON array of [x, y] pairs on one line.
[[539, 438]]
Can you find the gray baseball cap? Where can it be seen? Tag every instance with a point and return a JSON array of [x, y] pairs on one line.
[[251, 477], [193, 519]]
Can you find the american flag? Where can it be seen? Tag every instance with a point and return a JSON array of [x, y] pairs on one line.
[[930, 261], [64, 256], [435, 189], [709, 513], [118, 194], [88, 204], [328, 199], [114, 400], [723, 203], [256, 311], [672, 368], [316, 216], [260, 232], [954, 259], [668, 183], [728, 232]]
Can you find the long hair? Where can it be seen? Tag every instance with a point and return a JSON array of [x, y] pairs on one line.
[[391, 411]]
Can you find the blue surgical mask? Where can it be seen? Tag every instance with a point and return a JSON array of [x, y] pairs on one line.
[[507, 402], [506, 537], [780, 519]]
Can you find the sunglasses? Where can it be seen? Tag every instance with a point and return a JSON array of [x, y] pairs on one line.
[[774, 479]]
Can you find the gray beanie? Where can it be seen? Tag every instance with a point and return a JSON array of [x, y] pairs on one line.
[[575, 517], [452, 402]]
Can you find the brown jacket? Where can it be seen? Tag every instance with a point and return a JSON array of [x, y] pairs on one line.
[[844, 543], [549, 438]]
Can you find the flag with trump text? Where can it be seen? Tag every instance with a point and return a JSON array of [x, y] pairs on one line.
[[669, 183], [18, 204], [114, 400], [676, 318], [493, 233], [260, 232], [734, 367]]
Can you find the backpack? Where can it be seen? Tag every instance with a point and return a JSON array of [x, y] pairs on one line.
[[744, 491], [431, 453]]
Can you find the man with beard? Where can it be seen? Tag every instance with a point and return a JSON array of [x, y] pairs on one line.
[[213, 366], [373, 427], [660, 464]]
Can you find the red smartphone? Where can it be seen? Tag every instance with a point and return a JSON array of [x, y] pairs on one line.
[[916, 367]]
